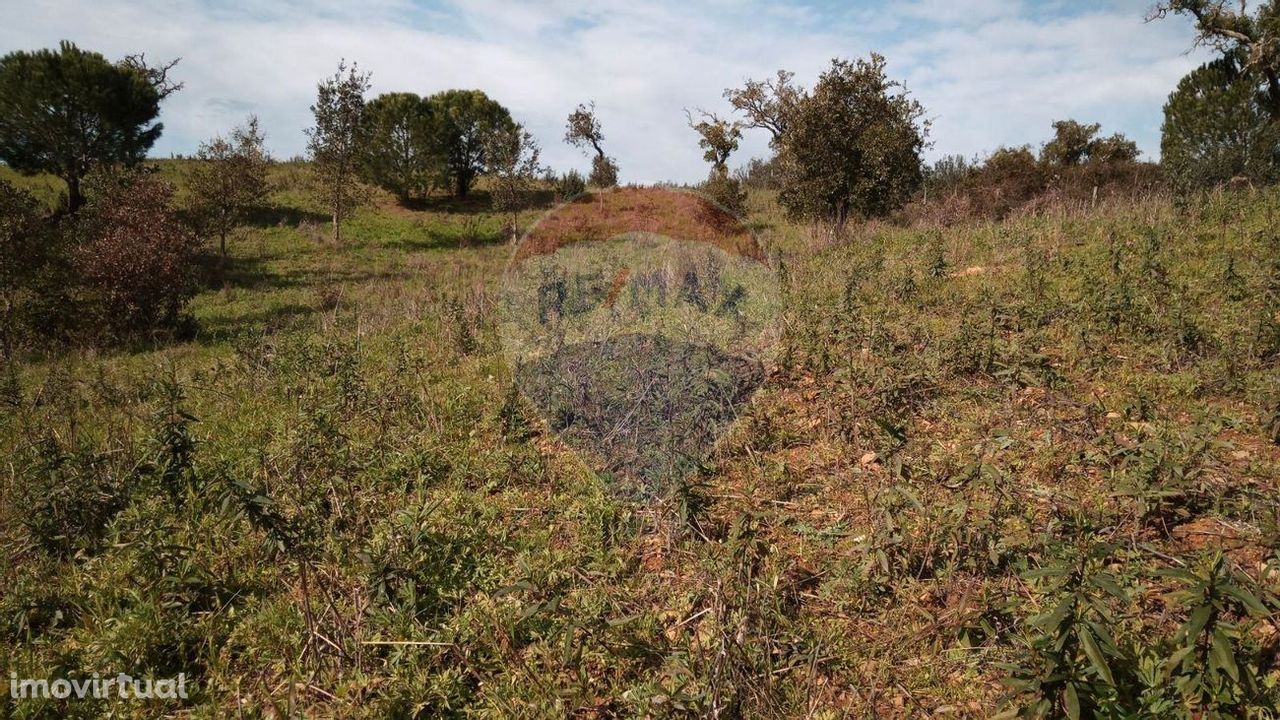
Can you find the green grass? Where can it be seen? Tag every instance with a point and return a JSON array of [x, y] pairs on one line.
[[329, 502]]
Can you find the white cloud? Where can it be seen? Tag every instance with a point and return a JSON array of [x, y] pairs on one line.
[[991, 72]]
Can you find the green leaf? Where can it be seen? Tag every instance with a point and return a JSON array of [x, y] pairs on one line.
[[1175, 660], [1105, 582], [1096, 657], [1224, 654], [1199, 618], [1246, 598], [1072, 700]]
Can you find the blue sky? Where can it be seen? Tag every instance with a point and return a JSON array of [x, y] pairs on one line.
[[989, 72]]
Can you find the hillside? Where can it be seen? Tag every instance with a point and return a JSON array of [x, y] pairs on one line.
[[330, 500]]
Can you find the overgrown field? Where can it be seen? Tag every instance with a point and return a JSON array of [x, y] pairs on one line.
[[1031, 464]]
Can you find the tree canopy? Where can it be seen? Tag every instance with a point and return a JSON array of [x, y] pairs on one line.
[[463, 119], [853, 146], [1217, 127], [1075, 143], [1252, 37], [401, 156], [63, 111], [336, 140]]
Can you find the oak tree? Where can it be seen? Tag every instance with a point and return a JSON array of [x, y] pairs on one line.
[[227, 179], [336, 140]]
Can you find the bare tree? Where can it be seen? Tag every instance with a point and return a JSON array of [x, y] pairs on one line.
[[336, 141], [512, 156], [228, 179], [157, 75]]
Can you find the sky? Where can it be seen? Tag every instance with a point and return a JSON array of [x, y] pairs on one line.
[[988, 72]]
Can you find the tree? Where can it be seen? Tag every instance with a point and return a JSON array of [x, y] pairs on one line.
[[1217, 127], [463, 119], [227, 180], [767, 103], [1075, 143], [512, 157], [1115, 148], [336, 140], [1070, 144], [604, 172], [1253, 38], [401, 157], [853, 146], [718, 138], [64, 111], [583, 130]]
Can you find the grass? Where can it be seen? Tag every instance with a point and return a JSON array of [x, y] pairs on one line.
[[979, 445]]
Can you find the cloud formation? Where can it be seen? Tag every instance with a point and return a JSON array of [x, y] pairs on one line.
[[990, 72]]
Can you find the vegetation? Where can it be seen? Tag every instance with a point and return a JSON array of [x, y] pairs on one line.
[[228, 180], [1238, 31], [463, 119], [583, 130], [1217, 128], [400, 154], [971, 429], [1011, 448], [336, 142], [851, 148], [514, 170], [1074, 143], [69, 109]]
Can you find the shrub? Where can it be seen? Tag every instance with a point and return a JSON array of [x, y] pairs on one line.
[[34, 284], [604, 172], [725, 191], [570, 185], [760, 174], [133, 257]]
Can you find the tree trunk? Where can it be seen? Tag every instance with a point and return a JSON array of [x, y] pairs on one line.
[[337, 226], [1273, 94], [75, 197], [462, 186]]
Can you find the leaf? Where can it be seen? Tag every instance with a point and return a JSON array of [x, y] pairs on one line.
[[1096, 657], [1175, 660], [1224, 654], [1105, 582], [1198, 620], [1072, 700], [1246, 598]]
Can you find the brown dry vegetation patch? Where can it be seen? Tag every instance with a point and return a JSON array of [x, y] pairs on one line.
[[602, 215]]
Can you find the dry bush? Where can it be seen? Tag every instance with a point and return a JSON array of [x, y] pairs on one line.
[[134, 258], [1014, 182]]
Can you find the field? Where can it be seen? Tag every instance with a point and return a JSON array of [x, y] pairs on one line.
[[999, 451]]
